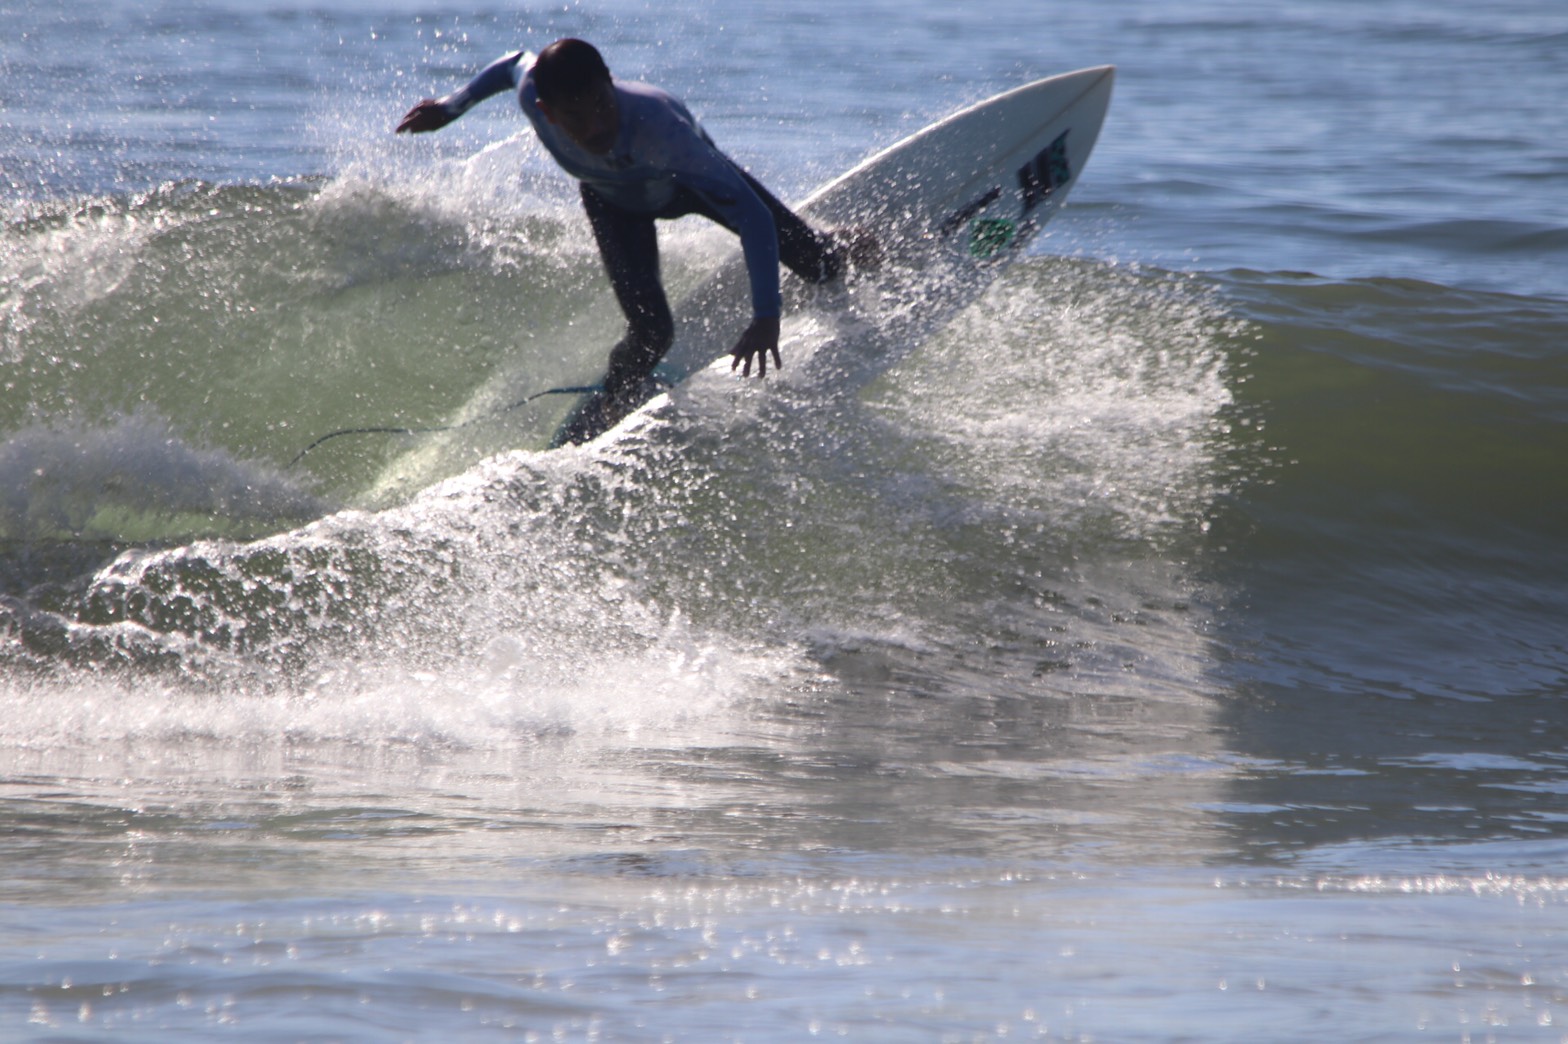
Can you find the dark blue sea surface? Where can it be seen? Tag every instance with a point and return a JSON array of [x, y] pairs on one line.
[[1172, 645]]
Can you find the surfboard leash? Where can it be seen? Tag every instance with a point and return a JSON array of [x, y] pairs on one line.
[[487, 415]]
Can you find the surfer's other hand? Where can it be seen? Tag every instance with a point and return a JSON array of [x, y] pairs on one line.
[[760, 339], [428, 115]]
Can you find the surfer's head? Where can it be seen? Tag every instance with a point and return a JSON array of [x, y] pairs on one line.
[[575, 93]]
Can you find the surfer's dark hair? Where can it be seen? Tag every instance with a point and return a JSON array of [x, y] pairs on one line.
[[568, 69]]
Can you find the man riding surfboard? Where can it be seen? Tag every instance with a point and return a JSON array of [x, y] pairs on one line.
[[640, 156]]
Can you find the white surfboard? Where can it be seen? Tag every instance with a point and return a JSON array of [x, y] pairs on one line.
[[952, 204], [973, 189]]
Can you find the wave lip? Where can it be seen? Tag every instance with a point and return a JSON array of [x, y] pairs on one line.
[[135, 480]]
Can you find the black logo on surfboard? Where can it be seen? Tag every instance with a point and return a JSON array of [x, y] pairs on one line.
[[1047, 172], [1038, 179], [956, 219]]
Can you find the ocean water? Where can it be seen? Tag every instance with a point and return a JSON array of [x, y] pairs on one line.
[[1171, 645]]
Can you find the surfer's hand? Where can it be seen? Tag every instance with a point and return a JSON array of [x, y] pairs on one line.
[[428, 115], [760, 338]]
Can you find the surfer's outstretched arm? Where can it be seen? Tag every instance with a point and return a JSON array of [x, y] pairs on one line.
[[503, 74]]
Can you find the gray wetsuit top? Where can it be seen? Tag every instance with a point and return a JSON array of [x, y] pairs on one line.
[[660, 149]]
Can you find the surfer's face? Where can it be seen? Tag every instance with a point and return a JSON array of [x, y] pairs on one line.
[[592, 120]]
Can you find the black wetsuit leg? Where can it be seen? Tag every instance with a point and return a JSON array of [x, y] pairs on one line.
[[804, 251], [629, 246]]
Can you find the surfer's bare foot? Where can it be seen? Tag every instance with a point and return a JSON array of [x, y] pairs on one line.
[[858, 248]]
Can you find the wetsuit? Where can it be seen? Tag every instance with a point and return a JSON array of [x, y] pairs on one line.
[[663, 165]]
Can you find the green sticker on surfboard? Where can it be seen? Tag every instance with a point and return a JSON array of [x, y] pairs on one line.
[[990, 236]]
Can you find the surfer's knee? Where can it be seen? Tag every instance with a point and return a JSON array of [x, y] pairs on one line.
[[854, 249]]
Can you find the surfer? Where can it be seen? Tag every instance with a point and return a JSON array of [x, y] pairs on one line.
[[640, 155]]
